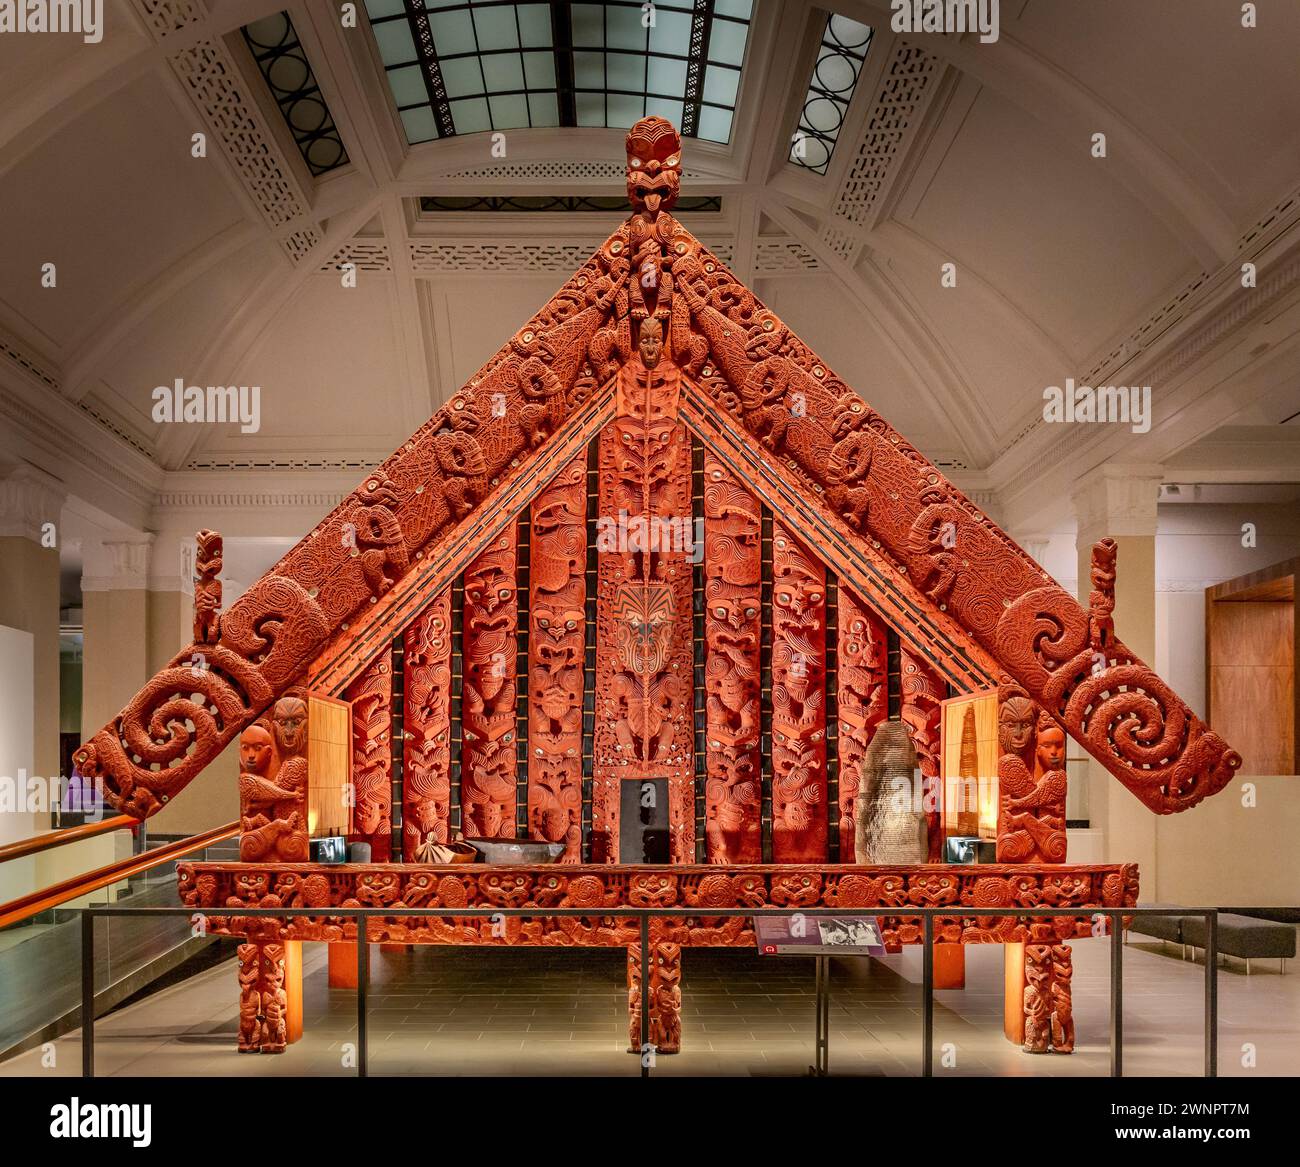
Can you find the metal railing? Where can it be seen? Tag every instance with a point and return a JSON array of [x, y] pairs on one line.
[[65, 835], [45, 898], [1114, 916]]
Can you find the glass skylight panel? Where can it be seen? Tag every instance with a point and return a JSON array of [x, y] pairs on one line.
[[830, 89], [283, 62], [464, 66]]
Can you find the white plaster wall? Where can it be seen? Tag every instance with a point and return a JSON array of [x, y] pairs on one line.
[[17, 750]]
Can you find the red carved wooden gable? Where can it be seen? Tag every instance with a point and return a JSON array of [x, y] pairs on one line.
[[780, 431]]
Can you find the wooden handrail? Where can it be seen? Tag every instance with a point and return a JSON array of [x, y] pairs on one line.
[[24, 847], [36, 902]]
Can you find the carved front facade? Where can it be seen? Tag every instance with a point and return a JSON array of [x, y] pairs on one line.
[[839, 572]]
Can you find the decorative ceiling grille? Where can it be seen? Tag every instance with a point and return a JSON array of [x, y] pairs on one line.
[[283, 62], [707, 204], [830, 89], [462, 68]]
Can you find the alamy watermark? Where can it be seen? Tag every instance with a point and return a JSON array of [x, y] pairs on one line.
[[179, 402], [655, 533], [982, 16], [85, 17], [1110, 404]]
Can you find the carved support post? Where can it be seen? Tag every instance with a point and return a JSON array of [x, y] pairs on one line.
[[250, 998], [426, 721], [862, 700], [644, 655], [1049, 1013], [732, 672], [263, 1002], [371, 696], [799, 798], [922, 691], [1062, 999], [664, 997], [1038, 998], [556, 659], [488, 756]]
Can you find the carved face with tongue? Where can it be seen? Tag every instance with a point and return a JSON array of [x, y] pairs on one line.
[[654, 166]]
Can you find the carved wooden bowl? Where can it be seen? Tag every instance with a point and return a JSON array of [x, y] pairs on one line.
[[519, 851]]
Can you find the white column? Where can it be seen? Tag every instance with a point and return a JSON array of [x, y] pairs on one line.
[[1119, 501], [31, 505]]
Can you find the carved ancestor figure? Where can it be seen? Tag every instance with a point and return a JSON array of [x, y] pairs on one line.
[[263, 1018], [799, 801], [488, 756], [1038, 998], [273, 786], [862, 701], [556, 659], [426, 723], [1049, 1008], [644, 655], [1031, 781], [371, 695], [664, 996], [1062, 999], [733, 634], [922, 692], [207, 587]]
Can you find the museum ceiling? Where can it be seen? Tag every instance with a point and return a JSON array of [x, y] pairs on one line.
[[455, 163]]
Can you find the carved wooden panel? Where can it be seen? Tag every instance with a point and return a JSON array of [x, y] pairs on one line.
[[426, 721], [488, 754], [371, 695], [644, 654], [921, 710], [799, 788], [556, 657], [732, 669], [862, 700]]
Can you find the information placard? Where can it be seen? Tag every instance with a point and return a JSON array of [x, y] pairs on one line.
[[818, 936]]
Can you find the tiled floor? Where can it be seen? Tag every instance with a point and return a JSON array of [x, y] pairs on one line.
[[530, 1011]]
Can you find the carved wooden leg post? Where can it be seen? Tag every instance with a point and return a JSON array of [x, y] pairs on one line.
[[1038, 997], [663, 997], [250, 998], [275, 1024], [1062, 999]]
